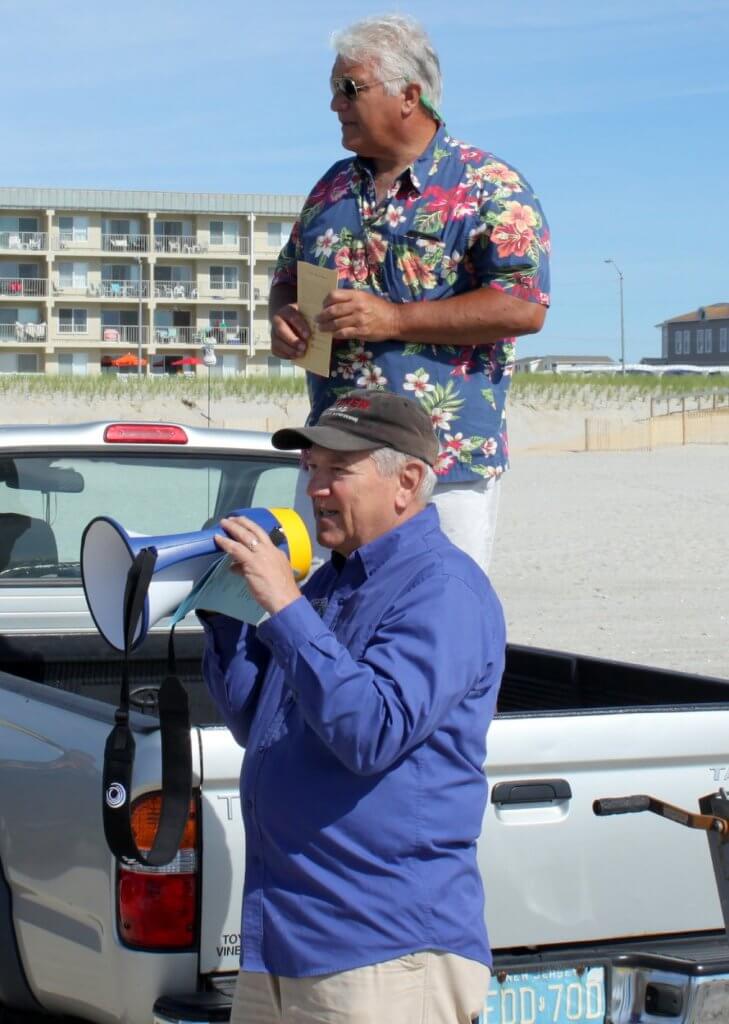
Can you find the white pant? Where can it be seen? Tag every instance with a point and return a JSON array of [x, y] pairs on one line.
[[467, 513]]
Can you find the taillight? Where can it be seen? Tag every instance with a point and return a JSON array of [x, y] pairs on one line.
[[157, 908], [144, 433]]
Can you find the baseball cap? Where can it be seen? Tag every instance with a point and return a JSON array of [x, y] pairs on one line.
[[363, 420]]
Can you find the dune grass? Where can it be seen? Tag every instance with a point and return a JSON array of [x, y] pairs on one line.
[[541, 389]]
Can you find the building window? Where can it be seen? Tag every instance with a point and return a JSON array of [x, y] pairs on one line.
[[223, 232], [278, 233], [723, 339], [700, 341], [72, 321], [223, 317], [18, 362], [708, 341], [73, 229], [72, 364], [225, 278], [280, 367], [73, 275]]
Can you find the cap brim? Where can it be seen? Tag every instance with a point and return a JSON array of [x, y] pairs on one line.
[[288, 439]]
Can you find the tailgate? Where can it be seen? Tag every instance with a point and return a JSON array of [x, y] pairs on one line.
[[555, 873], [222, 852]]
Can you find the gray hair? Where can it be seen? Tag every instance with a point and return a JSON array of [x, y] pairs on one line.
[[398, 47], [389, 463]]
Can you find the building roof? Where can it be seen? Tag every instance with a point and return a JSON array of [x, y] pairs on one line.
[[142, 201], [716, 311]]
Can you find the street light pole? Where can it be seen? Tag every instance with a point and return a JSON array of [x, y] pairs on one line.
[[622, 321], [139, 319]]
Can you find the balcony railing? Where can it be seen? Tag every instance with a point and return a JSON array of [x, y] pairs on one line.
[[22, 332], [71, 239], [226, 335], [123, 289], [125, 243], [231, 245], [23, 287], [125, 335], [24, 240], [175, 290], [219, 288], [186, 244], [178, 335]]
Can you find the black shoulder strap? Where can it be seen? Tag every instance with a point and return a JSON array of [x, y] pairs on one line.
[[174, 720]]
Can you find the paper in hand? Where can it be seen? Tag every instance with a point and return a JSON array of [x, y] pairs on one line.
[[314, 284], [220, 590]]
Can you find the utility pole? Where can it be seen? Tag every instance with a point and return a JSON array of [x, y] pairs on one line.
[[619, 272]]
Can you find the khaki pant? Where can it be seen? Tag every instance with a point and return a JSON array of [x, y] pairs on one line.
[[421, 988]]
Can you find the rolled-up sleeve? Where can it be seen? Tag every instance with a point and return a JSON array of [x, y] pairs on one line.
[[371, 710]]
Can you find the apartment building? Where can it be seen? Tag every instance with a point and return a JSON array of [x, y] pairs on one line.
[[103, 281]]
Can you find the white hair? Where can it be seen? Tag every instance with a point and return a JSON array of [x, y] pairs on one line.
[[390, 462], [398, 47]]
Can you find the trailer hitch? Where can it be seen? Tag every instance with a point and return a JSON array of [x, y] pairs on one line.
[[712, 819]]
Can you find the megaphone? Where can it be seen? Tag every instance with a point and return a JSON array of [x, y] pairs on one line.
[[108, 551]]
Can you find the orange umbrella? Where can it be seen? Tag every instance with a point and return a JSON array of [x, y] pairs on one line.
[[187, 361], [128, 359]]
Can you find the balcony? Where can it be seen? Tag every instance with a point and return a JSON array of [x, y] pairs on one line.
[[122, 289], [23, 287], [225, 335], [18, 332], [71, 239], [185, 244], [232, 246], [175, 290], [124, 335], [178, 335], [23, 240], [226, 291], [125, 243]]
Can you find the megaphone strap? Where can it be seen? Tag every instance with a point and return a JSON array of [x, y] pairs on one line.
[[119, 751]]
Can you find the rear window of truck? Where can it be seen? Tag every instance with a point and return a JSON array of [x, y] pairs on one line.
[[47, 500]]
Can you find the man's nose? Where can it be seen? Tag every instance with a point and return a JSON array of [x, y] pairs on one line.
[[317, 484], [339, 101]]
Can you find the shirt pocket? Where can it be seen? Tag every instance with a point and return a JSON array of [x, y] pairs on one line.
[[416, 265]]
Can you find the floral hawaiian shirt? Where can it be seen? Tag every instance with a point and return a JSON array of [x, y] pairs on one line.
[[457, 219]]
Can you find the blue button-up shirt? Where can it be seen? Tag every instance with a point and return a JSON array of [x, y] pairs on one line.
[[457, 219], [364, 707]]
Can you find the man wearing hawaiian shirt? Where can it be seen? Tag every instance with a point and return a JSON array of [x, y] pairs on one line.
[[442, 254]]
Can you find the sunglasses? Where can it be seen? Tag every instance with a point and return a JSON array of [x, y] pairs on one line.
[[351, 89]]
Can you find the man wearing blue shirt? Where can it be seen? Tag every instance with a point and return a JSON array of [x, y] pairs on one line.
[[363, 704], [442, 253]]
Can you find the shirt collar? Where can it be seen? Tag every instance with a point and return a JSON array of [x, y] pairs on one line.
[[379, 551], [419, 169]]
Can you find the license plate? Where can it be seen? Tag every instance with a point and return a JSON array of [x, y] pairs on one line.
[[547, 997]]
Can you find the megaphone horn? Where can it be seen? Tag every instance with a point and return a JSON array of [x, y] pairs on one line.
[[108, 551]]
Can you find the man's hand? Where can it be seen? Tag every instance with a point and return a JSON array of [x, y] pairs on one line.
[[349, 313], [289, 332], [264, 567]]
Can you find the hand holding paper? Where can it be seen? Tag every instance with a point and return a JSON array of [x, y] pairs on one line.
[[314, 284]]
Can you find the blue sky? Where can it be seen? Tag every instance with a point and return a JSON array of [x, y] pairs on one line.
[[617, 114]]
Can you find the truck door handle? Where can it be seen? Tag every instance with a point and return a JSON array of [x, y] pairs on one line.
[[531, 791]]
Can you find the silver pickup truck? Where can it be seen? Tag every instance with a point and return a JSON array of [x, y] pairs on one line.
[[592, 919]]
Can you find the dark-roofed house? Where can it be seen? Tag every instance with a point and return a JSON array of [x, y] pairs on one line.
[[700, 337]]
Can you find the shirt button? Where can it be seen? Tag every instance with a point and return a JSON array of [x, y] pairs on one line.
[[249, 805]]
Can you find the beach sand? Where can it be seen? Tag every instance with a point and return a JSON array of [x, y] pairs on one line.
[[622, 555]]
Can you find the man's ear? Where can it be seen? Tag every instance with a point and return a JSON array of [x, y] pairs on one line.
[[411, 476], [411, 98]]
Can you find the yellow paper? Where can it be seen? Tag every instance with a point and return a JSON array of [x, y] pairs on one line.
[[314, 284]]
